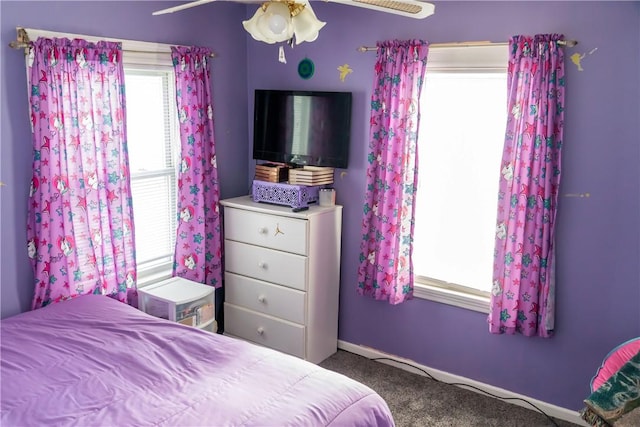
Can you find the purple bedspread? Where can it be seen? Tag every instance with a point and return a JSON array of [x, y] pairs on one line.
[[93, 361]]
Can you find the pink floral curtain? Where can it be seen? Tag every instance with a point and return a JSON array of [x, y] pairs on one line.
[[198, 254], [523, 291], [386, 270], [80, 220]]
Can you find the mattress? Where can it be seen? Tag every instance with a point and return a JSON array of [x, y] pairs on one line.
[[95, 361]]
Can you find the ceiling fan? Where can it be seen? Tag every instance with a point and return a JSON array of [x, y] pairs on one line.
[[280, 20]]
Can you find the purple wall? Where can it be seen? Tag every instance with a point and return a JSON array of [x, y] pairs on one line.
[[598, 276], [598, 238], [217, 27]]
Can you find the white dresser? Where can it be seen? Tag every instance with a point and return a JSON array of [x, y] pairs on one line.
[[282, 276]]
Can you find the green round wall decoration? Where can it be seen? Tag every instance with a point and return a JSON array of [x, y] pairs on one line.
[[306, 68]]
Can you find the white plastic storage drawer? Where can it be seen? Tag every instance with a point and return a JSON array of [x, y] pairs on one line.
[[196, 312], [270, 231], [265, 330], [179, 300]]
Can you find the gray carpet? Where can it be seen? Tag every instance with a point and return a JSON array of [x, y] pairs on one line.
[[416, 400]]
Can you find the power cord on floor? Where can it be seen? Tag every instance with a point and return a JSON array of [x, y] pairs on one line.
[[428, 375]]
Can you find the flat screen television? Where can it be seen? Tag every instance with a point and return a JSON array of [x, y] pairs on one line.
[[302, 127]]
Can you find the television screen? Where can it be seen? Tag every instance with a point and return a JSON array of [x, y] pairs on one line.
[[302, 128]]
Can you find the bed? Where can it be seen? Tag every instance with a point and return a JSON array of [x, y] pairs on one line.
[[93, 361]]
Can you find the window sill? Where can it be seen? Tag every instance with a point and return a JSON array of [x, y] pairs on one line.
[[455, 298], [157, 276]]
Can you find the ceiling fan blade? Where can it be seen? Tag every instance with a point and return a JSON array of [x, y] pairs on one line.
[[182, 7], [416, 9]]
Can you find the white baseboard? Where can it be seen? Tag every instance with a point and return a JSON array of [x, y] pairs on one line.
[[551, 410]]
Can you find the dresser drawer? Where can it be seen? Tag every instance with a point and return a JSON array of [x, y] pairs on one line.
[[263, 297], [270, 231], [265, 330], [282, 268]]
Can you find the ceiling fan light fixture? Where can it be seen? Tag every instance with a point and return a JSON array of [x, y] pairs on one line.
[[276, 21], [306, 25], [271, 23], [251, 26]]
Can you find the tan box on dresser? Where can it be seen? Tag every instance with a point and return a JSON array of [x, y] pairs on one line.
[[282, 276]]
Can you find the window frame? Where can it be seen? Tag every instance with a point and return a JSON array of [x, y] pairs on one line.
[[490, 57], [158, 269]]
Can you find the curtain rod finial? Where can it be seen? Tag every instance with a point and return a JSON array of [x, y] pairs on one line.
[[21, 41], [569, 43]]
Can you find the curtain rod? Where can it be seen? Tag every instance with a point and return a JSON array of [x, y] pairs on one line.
[[22, 42], [568, 43]]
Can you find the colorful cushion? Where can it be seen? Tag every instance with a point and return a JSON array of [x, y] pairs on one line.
[[617, 396], [614, 361]]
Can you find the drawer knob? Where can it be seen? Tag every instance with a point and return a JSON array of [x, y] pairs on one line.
[[260, 330], [262, 264], [262, 230], [262, 299]]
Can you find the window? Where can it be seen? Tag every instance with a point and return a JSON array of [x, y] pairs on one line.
[[153, 149], [461, 137]]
